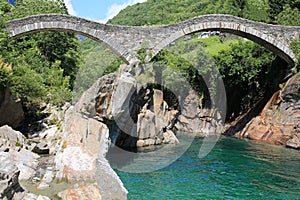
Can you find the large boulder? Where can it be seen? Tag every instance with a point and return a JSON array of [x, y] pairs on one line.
[[85, 141], [11, 140]]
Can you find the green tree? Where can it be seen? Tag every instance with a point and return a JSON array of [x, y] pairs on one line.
[[97, 61], [245, 68], [244, 64], [53, 45], [296, 48], [44, 64], [5, 73], [275, 7], [289, 16]]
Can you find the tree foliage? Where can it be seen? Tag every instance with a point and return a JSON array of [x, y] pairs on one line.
[[296, 48], [154, 12], [244, 64], [5, 73], [44, 64], [289, 16], [97, 61]]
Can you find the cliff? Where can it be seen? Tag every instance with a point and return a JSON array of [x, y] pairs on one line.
[[278, 122]]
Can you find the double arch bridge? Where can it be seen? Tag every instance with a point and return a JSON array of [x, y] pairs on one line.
[[126, 40]]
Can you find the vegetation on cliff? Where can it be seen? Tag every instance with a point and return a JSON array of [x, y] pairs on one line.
[[44, 64], [296, 48]]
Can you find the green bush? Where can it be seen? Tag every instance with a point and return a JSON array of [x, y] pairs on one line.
[[296, 48], [243, 64], [44, 64]]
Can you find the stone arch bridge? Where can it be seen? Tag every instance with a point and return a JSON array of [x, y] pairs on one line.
[[126, 40]]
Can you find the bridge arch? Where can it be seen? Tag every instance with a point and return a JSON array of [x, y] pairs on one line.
[[126, 40], [270, 36], [96, 31]]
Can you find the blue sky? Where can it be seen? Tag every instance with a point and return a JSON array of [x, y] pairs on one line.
[[98, 10]]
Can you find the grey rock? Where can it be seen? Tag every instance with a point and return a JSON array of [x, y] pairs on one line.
[[9, 174], [122, 104], [41, 148], [146, 125], [110, 185], [10, 139], [26, 162]]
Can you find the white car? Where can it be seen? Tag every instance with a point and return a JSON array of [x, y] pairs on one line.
[[204, 35]]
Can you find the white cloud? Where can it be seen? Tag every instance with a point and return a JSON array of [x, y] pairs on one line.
[[114, 9], [70, 8]]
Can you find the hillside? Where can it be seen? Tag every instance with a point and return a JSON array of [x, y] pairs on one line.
[[154, 12]]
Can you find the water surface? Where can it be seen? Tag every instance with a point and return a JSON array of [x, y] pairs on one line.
[[234, 169]]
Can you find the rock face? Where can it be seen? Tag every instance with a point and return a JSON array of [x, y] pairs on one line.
[[136, 115], [278, 123], [194, 119], [11, 111], [85, 144], [139, 115]]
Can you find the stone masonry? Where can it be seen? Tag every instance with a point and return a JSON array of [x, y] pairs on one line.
[[125, 40]]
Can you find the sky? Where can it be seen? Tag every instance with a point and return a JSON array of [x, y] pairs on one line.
[[98, 10]]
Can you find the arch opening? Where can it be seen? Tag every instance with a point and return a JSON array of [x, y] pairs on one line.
[[65, 23], [278, 46], [279, 62]]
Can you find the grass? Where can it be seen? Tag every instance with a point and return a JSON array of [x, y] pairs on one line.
[[213, 45]]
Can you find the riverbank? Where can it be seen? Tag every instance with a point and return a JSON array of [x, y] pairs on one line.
[[278, 121]]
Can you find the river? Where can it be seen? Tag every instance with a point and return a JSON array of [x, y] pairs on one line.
[[234, 169]]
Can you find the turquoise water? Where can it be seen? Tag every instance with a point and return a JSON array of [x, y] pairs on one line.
[[234, 169]]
